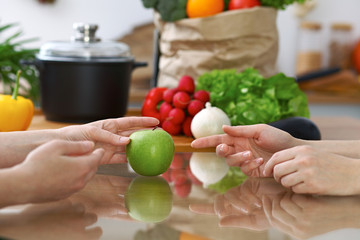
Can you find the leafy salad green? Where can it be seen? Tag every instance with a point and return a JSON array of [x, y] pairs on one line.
[[249, 98], [279, 4], [173, 10]]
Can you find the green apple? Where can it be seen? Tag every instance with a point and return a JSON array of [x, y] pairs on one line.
[[150, 152], [149, 199]]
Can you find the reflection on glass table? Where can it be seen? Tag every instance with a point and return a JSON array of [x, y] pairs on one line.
[[261, 203], [183, 203]]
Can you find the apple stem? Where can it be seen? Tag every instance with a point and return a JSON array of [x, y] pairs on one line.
[[155, 128]]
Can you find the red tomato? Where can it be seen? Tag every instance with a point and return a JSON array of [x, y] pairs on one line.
[[239, 4]]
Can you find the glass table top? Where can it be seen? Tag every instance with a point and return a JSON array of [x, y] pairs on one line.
[[119, 204]]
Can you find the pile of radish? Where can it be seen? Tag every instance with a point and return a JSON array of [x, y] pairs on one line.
[[175, 107]]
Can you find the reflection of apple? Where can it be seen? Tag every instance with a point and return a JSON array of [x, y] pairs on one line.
[[150, 152], [149, 199], [208, 167]]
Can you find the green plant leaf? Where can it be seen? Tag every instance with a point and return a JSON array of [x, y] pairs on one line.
[[12, 52]]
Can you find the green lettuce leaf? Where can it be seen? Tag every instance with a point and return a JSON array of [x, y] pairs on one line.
[[249, 98]]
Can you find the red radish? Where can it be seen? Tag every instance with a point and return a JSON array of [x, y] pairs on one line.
[[202, 95], [181, 100], [149, 109], [166, 175], [183, 190], [195, 106], [171, 128], [177, 162], [164, 109], [156, 94], [176, 116], [186, 126], [169, 94], [178, 176], [186, 84]]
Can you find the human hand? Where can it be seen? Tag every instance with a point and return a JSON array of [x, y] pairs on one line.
[[110, 135], [55, 220], [305, 169], [248, 147], [55, 170]]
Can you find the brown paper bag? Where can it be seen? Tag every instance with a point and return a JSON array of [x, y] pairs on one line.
[[235, 39]]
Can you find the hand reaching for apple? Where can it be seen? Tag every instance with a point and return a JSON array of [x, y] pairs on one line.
[[248, 147], [112, 135]]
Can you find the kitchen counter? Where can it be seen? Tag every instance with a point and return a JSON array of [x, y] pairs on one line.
[[99, 211]]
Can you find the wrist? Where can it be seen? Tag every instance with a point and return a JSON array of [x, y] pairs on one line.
[[356, 170], [299, 142], [14, 187]]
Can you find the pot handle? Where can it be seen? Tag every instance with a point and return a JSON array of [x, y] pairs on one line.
[[139, 64], [38, 64]]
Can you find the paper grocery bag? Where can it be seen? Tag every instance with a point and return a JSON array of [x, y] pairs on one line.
[[235, 39]]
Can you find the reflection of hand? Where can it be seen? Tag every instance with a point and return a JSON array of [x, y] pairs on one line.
[[104, 195], [305, 169], [56, 220], [248, 146], [242, 206], [304, 216], [301, 216], [107, 135], [66, 167]]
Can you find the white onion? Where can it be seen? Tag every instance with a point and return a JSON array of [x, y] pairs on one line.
[[209, 121], [208, 167]]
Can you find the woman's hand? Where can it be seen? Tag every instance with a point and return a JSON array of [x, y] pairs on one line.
[[305, 169], [54, 171], [111, 135], [248, 147]]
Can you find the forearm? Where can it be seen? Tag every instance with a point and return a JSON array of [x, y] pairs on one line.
[[348, 148], [15, 146]]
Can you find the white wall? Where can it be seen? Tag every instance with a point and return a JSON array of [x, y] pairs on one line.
[[54, 21], [117, 17]]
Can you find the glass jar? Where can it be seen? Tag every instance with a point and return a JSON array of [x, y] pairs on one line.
[[340, 45], [310, 51]]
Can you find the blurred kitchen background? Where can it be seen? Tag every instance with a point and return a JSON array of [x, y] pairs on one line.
[[130, 22]]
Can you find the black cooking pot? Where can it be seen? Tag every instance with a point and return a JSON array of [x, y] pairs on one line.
[[85, 80]]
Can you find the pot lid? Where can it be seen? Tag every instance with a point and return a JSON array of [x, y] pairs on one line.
[[84, 45]]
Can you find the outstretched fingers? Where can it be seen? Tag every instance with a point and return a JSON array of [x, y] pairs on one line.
[[211, 141], [245, 131], [136, 122]]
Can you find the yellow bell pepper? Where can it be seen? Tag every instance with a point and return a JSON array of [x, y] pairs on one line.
[[16, 112]]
